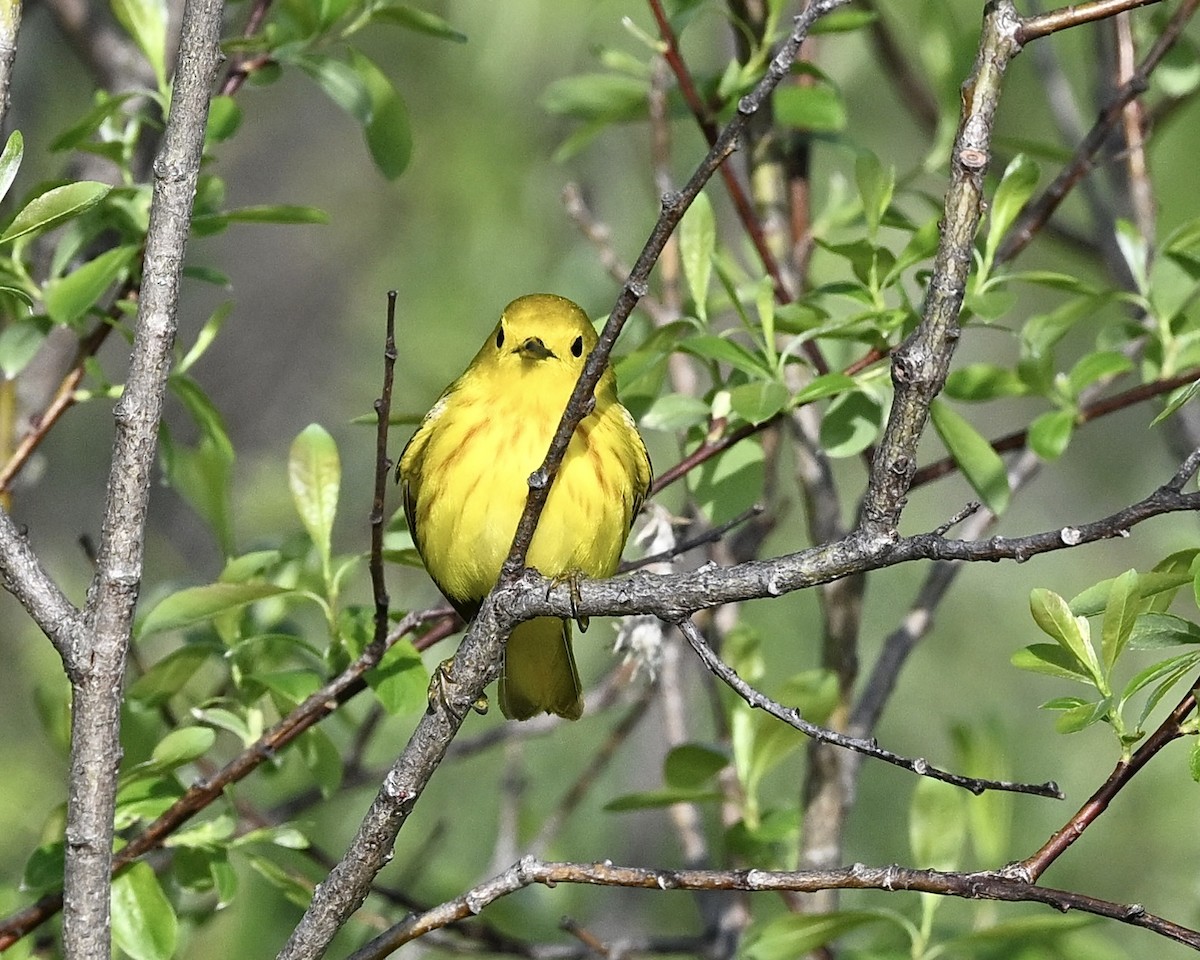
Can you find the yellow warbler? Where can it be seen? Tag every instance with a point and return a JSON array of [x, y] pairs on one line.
[[465, 480]]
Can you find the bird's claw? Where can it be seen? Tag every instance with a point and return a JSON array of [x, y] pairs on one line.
[[443, 674]]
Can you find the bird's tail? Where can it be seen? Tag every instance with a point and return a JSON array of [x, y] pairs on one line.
[[539, 673]]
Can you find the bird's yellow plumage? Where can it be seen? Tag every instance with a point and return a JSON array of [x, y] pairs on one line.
[[465, 479]]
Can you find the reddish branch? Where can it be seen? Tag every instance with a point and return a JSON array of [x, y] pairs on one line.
[[1037, 212], [1170, 729]]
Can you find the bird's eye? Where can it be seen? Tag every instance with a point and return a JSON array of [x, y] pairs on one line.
[[577, 347], [499, 338]]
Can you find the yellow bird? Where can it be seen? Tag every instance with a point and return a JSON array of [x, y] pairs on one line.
[[465, 480]]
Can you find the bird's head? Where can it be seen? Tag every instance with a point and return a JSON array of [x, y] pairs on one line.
[[541, 332]]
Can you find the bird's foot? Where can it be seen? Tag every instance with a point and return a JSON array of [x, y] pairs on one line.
[[443, 674]]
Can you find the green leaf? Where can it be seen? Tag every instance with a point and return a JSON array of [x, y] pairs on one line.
[[729, 483], [249, 565], [206, 835], [20, 341], [167, 677], [1016, 187], [1050, 433], [388, 131], [1079, 717], [422, 21], [814, 109], [936, 824], [672, 412], [1136, 251], [1158, 584], [1053, 616], [876, 184], [982, 751], [984, 381], [603, 97], [1052, 660], [655, 799], [146, 22], [826, 385], [1156, 631], [793, 935], [980, 464], [54, 206], [1120, 615], [1194, 761], [224, 118], [759, 401], [323, 759], [297, 891], [697, 243], [400, 681], [850, 424], [1102, 365], [202, 474], [1173, 667], [1019, 935], [204, 339], [314, 477], [920, 247], [10, 161], [1183, 667], [723, 350], [692, 765], [107, 104], [276, 213], [183, 745], [44, 869], [291, 686], [69, 298], [340, 82], [1042, 331], [1175, 400], [197, 604], [143, 920], [248, 729], [843, 21]]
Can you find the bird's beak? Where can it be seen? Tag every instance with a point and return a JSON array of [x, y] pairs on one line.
[[534, 349]]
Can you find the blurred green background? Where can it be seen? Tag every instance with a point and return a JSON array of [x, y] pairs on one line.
[[475, 221]]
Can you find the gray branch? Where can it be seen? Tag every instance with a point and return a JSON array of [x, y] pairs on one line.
[[674, 597], [96, 665]]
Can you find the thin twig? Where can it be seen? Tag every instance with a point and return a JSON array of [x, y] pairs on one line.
[[868, 747], [1038, 211], [1044, 24], [711, 535], [383, 412], [65, 396]]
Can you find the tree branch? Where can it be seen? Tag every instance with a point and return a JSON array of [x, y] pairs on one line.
[[983, 885], [674, 597], [1170, 729], [920, 364], [96, 667]]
